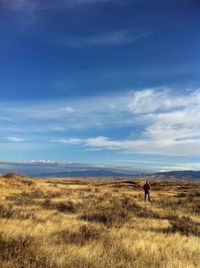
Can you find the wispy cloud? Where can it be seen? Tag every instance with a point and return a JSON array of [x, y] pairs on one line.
[[166, 122], [72, 141], [159, 165], [115, 38], [172, 126], [30, 14], [151, 100], [67, 109], [166, 147], [59, 4], [16, 139], [28, 5], [75, 3]]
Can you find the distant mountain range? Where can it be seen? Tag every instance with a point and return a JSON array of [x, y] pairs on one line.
[[57, 169], [180, 174]]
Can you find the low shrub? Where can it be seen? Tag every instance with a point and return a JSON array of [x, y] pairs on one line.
[[6, 211], [47, 204], [62, 206], [104, 218], [53, 194], [21, 199], [67, 206], [137, 210], [22, 252], [184, 225], [10, 176], [85, 234], [182, 195], [117, 212], [27, 182], [14, 248], [36, 194]]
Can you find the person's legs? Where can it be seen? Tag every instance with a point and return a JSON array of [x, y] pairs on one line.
[[145, 196], [149, 197]]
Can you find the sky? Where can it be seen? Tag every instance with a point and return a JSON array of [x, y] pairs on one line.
[[101, 81]]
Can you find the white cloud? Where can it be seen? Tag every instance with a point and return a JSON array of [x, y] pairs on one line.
[[158, 165], [68, 109], [151, 100], [172, 124], [166, 122], [103, 142], [42, 161], [169, 147], [180, 167], [72, 141], [148, 146], [16, 139]]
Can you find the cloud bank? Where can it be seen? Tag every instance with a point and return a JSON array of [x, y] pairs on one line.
[[166, 123]]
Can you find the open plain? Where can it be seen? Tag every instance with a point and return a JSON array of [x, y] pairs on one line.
[[98, 223]]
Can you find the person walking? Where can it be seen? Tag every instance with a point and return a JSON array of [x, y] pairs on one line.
[[147, 189]]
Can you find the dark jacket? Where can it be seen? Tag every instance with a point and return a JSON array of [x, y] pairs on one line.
[[147, 187]]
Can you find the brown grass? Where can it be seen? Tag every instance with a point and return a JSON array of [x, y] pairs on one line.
[[98, 223], [184, 225]]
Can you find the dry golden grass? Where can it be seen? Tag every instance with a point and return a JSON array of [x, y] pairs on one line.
[[98, 223]]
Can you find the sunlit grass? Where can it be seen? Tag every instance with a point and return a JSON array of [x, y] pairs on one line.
[[98, 223]]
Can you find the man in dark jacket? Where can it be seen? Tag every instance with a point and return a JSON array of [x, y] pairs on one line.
[[147, 188]]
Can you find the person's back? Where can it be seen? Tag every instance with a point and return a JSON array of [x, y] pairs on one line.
[[147, 188]]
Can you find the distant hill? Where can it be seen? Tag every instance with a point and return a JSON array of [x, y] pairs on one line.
[[57, 169], [68, 169], [190, 174], [87, 173]]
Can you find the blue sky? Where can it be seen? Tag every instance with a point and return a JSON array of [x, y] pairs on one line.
[[101, 81]]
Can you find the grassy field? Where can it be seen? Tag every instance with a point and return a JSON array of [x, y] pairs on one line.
[[98, 223]]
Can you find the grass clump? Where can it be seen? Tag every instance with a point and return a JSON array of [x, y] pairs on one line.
[[22, 199], [85, 233], [6, 211], [184, 225], [20, 252], [67, 206], [62, 206], [116, 212], [111, 214], [14, 248], [10, 176], [9, 211]]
